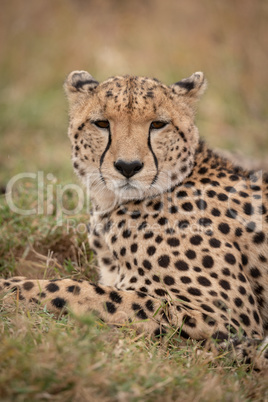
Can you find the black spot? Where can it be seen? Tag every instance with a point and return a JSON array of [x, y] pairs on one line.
[[238, 232], [205, 222], [181, 265], [74, 289], [162, 221], [160, 292], [215, 212], [201, 204], [133, 279], [134, 247], [126, 233], [234, 177], [156, 278], [203, 281], [164, 261], [183, 224], [202, 170], [224, 228], [254, 272], [207, 308], [194, 291], [230, 189], [26, 286], [226, 271], [181, 194], [115, 297], [52, 287], [242, 290], [244, 259], [97, 244], [106, 261], [256, 317], [158, 206], [113, 239], [158, 239], [173, 242], [173, 209], [231, 213], [251, 300], [168, 280], [259, 238], [141, 271], [205, 180], [250, 227], [215, 243], [149, 305], [142, 225], [191, 254], [58, 302], [238, 302], [147, 264], [187, 206], [245, 319], [185, 279], [135, 214], [248, 208], [139, 311], [123, 251], [196, 240], [99, 290], [224, 284], [230, 258], [207, 261], [151, 250], [222, 197], [211, 193], [148, 235], [241, 277], [110, 307]]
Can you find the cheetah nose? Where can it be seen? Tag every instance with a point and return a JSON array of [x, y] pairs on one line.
[[128, 169]]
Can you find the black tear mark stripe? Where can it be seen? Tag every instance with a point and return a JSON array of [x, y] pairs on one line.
[[154, 156], [104, 153], [106, 149]]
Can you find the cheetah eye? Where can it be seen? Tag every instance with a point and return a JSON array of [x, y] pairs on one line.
[[102, 124], [156, 125]]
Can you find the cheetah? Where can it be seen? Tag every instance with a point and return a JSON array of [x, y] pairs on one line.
[[180, 233]]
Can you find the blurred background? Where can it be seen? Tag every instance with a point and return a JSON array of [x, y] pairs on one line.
[[41, 41]]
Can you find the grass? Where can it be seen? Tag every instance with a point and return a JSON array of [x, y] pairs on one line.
[[81, 359], [72, 358]]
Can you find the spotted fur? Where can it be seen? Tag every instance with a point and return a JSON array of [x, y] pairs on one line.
[[180, 233]]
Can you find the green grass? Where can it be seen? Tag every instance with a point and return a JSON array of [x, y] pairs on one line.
[[72, 359]]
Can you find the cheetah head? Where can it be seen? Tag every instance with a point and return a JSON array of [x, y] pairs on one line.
[[132, 137]]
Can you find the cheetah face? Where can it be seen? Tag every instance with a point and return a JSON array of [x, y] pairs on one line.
[[132, 137]]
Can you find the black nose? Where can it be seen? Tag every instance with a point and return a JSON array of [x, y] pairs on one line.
[[128, 169]]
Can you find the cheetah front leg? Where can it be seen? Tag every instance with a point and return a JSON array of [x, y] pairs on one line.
[[116, 307], [111, 305]]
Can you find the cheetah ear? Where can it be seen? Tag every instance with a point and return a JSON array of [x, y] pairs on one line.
[[78, 84], [192, 88]]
